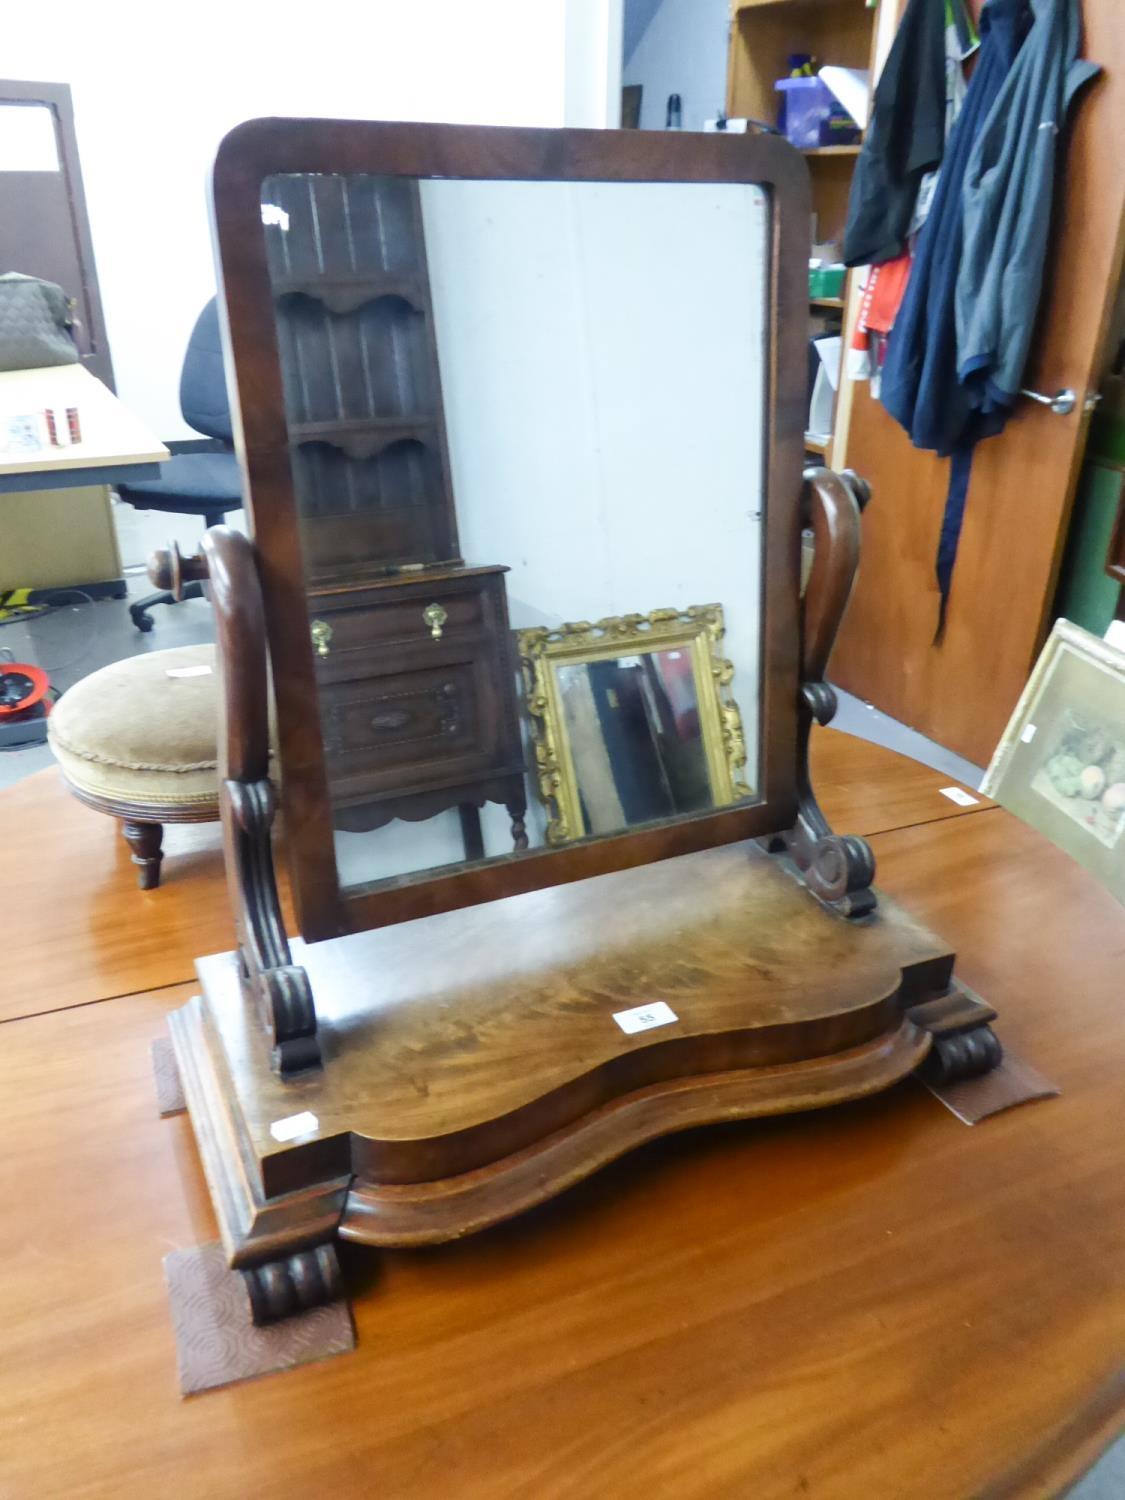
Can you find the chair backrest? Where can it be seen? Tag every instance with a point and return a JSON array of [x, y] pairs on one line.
[[203, 386]]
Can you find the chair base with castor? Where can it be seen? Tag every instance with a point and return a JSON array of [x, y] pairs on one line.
[[139, 611], [137, 740], [202, 477], [171, 493]]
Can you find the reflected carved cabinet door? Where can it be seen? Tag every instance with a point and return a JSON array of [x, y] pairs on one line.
[[417, 699], [414, 664]]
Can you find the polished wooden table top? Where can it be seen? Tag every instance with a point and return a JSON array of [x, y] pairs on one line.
[[79, 929], [874, 1301]]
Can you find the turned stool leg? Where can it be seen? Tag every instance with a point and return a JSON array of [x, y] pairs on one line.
[[516, 809], [144, 840], [471, 833]]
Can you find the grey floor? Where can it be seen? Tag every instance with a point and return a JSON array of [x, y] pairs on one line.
[[76, 640]]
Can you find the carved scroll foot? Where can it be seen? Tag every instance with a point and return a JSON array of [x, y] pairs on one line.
[[280, 1288], [965, 1046], [970, 1054]]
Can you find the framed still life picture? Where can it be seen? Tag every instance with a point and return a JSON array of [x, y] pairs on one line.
[[1060, 765]]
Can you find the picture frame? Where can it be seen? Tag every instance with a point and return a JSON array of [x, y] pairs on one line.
[[690, 636], [1060, 764]]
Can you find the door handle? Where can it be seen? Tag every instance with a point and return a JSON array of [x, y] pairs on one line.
[[1062, 403]]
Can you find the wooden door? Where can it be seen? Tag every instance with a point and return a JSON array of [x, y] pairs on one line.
[[43, 226], [961, 691]]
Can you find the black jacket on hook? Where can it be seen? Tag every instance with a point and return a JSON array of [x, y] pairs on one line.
[[904, 141]]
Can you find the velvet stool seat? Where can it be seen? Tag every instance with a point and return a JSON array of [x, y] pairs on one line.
[[137, 740]]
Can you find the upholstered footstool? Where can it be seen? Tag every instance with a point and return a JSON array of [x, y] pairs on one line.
[[137, 740]]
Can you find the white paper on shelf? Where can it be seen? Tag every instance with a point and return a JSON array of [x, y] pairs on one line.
[[829, 350], [852, 86], [827, 379]]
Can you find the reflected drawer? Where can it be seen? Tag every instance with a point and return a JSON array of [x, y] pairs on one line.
[[375, 624]]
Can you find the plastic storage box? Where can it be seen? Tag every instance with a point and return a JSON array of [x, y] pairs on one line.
[[812, 114], [808, 105], [826, 281]]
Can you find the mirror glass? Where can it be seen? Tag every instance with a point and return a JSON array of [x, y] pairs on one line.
[[633, 726], [527, 436]]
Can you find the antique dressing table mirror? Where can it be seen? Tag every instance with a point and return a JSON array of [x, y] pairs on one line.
[[520, 414]]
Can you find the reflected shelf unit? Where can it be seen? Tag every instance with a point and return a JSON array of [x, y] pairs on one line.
[[414, 665]]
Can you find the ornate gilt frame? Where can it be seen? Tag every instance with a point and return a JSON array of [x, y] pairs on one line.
[[698, 630]]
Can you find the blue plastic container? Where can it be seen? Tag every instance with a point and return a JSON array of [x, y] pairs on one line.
[[808, 107]]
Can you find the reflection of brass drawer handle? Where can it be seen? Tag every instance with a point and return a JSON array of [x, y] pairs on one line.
[[395, 719], [321, 633], [435, 617]]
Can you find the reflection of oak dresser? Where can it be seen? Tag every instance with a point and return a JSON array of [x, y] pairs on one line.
[[415, 669]]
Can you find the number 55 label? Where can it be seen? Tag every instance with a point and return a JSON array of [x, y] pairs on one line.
[[645, 1017]]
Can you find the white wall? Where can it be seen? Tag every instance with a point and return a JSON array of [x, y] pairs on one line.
[[155, 89], [592, 95], [602, 366], [683, 51]]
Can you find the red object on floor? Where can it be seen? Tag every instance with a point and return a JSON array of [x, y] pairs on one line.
[[21, 687]]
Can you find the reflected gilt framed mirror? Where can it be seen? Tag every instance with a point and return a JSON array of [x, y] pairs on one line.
[[632, 720], [520, 415]]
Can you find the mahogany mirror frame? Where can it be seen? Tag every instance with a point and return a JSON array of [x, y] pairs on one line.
[[260, 149]]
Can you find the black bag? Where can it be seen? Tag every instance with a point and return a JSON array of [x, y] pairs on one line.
[[36, 319]]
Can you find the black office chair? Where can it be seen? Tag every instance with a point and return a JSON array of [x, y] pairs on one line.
[[196, 480]]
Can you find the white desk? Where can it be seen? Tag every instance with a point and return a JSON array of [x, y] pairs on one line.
[[116, 445]]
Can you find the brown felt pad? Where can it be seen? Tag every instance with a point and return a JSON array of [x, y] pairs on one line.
[[216, 1341], [1012, 1082], [166, 1073]]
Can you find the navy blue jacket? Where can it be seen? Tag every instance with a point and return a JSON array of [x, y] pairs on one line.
[[920, 385]]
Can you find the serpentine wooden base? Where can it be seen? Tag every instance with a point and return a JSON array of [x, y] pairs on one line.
[[473, 1066]]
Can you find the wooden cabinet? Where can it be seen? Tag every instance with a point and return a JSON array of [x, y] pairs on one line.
[[415, 671]]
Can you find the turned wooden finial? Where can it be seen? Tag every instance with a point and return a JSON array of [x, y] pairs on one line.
[[169, 569]]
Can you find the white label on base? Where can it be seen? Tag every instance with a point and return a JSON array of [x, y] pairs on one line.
[[1028, 735], [306, 1123], [962, 799], [645, 1017], [188, 672]]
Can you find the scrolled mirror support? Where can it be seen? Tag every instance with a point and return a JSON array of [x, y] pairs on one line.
[[247, 798], [838, 869]]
